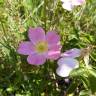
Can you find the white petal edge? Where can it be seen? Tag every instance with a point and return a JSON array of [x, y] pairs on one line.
[[68, 6], [65, 66]]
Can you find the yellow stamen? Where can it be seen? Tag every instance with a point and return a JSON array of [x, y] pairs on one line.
[[41, 47]]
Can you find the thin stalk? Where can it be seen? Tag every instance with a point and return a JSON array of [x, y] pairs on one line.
[[5, 38], [4, 30], [45, 4]]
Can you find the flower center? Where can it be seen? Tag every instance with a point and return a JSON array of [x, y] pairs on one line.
[[41, 47]]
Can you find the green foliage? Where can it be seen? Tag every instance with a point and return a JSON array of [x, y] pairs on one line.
[[76, 28]]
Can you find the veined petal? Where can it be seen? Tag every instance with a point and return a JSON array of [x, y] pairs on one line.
[[36, 59], [73, 53], [54, 52], [36, 35], [65, 66], [52, 38], [53, 55], [71, 62], [26, 48]]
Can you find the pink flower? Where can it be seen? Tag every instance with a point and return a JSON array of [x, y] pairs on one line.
[[69, 4], [68, 62], [41, 46]]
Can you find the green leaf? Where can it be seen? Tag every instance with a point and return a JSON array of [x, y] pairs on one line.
[[92, 72], [85, 93], [78, 72], [92, 81], [85, 82], [72, 87]]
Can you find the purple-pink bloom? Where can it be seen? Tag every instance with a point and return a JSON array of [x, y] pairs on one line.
[[67, 62], [72, 53], [41, 46], [69, 4]]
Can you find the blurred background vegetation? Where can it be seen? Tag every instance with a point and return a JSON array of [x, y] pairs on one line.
[[76, 28]]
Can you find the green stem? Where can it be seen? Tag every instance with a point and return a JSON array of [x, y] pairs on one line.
[[5, 38], [4, 30], [45, 2]]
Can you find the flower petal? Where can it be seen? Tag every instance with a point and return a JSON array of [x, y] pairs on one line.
[[63, 71], [26, 48], [52, 38], [73, 53], [36, 59], [54, 52], [65, 0], [71, 62], [53, 55], [66, 65], [77, 2], [68, 6], [36, 35]]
